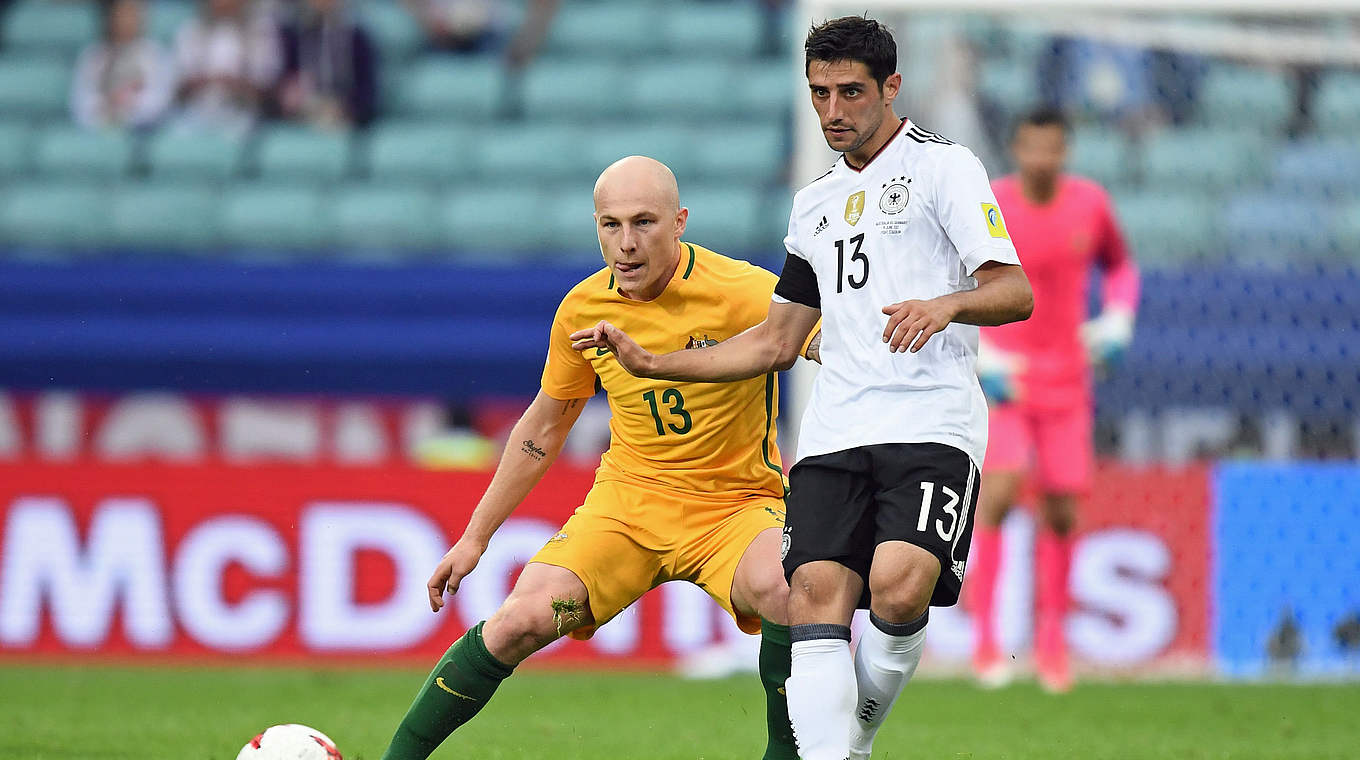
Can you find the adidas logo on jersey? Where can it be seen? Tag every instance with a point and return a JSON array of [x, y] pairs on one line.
[[958, 570], [822, 225]]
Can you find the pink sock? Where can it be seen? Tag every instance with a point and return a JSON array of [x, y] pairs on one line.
[[1053, 563], [984, 562]]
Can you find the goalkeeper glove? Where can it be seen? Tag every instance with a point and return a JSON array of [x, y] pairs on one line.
[[998, 372], [1107, 337]]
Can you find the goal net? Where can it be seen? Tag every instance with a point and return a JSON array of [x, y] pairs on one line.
[[1228, 136]]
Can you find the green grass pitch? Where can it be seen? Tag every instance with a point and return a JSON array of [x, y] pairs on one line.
[[107, 713]]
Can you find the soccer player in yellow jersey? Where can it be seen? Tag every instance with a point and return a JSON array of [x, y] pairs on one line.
[[691, 487]]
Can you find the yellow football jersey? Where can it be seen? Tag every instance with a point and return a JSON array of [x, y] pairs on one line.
[[716, 439]]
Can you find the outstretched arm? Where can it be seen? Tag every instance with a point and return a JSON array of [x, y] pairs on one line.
[[534, 443], [1002, 295], [771, 345]]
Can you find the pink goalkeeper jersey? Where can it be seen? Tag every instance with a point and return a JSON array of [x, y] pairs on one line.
[[1059, 243]]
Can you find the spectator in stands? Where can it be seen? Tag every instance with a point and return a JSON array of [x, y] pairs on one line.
[[125, 79], [1135, 88], [228, 60], [329, 68], [479, 26]]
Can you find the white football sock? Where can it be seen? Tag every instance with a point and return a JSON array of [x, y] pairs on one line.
[[887, 656], [821, 691]]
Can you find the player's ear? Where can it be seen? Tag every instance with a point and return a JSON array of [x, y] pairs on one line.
[[891, 86], [681, 219]]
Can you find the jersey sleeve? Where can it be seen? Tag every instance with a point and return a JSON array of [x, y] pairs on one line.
[[566, 373], [1119, 273], [797, 281], [969, 213]]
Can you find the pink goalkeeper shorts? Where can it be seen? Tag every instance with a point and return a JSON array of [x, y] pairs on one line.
[[1057, 442]]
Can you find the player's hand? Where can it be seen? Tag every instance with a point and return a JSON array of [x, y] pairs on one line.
[[1107, 337], [998, 372], [449, 573], [605, 336], [911, 323]]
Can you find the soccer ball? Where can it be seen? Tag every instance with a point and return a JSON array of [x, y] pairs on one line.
[[291, 741]]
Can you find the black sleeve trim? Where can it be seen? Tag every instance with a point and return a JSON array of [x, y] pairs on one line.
[[798, 283]]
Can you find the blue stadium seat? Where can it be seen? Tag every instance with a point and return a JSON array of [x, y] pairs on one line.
[[535, 151], [1101, 154], [751, 152], [491, 220], [385, 218], [163, 216], [1234, 96], [725, 217], [69, 151], [767, 89], [1338, 104], [568, 219], [671, 144], [712, 29], [419, 151], [299, 154], [1345, 231], [1211, 159], [1319, 168], [685, 89], [1270, 229], [34, 87], [270, 217], [56, 214], [50, 27], [395, 31], [619, 28], [15, 148], [584, 90], [1014, 88], [201, 157], [164, 19], [465, 89], [1170, 229]]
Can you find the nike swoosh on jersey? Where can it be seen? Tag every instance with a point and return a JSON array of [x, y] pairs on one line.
[[440, 683]]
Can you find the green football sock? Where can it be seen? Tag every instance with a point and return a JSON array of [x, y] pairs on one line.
[[463, 681], [775, 657]]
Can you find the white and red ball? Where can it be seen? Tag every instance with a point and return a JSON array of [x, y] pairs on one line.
[[290, 741]]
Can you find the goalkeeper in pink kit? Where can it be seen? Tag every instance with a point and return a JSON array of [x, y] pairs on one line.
[[1037, 376]]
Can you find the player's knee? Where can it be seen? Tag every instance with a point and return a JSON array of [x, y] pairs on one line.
[[903, 595], [520, 628], [769, 592]]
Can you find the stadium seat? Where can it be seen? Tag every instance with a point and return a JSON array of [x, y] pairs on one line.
[[165, 17], [671, 144], [767, 90], [573, 89], [54, 214], [1170, 230], [69, 151], [15, 143], [254, 216], [385, 218], [50, 27], [34, 87], [725, 217], [163, 216], [685, 89], [568, 219], [299, 154], [1015, 89], [1319, 168], [394, 30], [451, 88], [1210, 159], [536, 151], [1345, 233], [1338, 105], [419, 151], [752, 152], [617, 28], [1101, 154], [496, 223], [1269, 229], [731, 30], [202, 157], [1239, 96]]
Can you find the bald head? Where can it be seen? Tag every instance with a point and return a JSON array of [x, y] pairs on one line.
[[637, 182]]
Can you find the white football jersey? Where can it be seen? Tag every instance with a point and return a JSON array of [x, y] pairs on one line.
[[914, 223]]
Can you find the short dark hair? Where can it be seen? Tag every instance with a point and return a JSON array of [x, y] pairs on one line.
[[853, 38], [1043, 116]]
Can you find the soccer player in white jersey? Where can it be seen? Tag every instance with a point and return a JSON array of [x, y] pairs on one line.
[[902, 251]]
